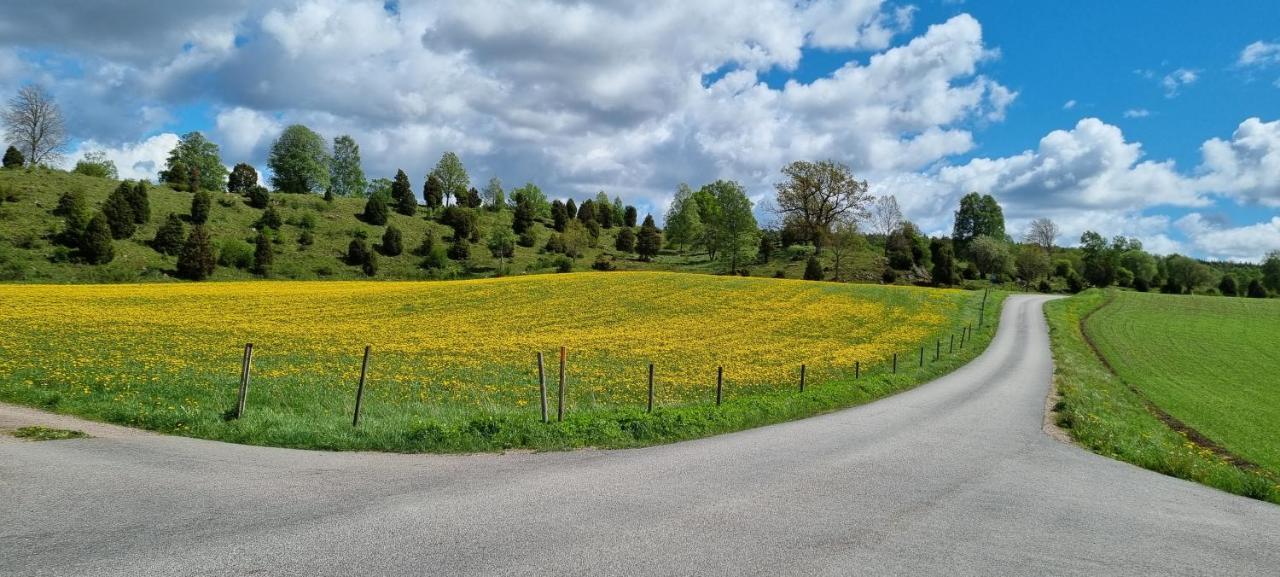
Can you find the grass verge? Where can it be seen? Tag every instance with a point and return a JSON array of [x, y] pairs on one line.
[[47, 434], [1106, 416]]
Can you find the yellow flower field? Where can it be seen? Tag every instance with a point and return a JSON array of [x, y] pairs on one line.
[[173, 351]]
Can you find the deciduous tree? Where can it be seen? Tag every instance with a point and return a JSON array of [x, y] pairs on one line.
[[33, 123], [346, 176], [299, 161], [818, 194], [195, 164]]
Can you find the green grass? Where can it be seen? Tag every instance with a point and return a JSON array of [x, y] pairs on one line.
[[1102, 412], [28, 252], [47, 434]]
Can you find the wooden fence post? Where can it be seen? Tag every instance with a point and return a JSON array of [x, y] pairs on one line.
[[952, 347], [364, 370], [542, 387], [719, 384], [245, 365], [922, 356], [802, 378], [560, 392], [857, 370], [895, 363], [650, 409], [937, 351], [982, 316]]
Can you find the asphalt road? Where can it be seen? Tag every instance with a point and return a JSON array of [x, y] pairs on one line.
[[956, 477]]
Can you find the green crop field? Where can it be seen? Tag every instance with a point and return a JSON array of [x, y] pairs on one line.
[[1210, 362], [1200, 359], [453, 366]]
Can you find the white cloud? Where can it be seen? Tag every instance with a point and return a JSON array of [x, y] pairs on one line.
[[1068, 105], [243, 133], [1175, 81], [1137, 113], [1247, 167], [1248, 243], [1260, 53], [139, 160]]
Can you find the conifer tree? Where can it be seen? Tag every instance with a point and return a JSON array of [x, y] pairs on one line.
[[170, 236], [813, 269], [119, 212], [196, 261], [375, 210], [201, 203], [95, 243], [140, 202], [262, 255], [649, 241], [392, 245]]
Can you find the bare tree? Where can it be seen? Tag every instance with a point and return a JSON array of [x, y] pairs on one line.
[[33, 123], [886, 217], [818, 194], [1042, 232]]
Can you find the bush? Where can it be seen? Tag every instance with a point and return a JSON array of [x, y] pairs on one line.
[[603, 262], [1256, 290], [391, 242], [234, 252], [435, 258], [459, 250], [73, 208], [626, 241], [528, 239], [889, 276], [1228, 286], [140, 202], [797, 252], [196, 260], [780, 273], [357, 252], [461, 220], [555, 244], [262, 255], [95, 243], [307, 238], [13, 158], [1045, 287], [170, 236], [370, 265], [1141, 285], [243, 179], [119, 212], [270, 219], [375, 210], [200, 206], [564, 264], [813, 269], [259, 197], [1075, 282]]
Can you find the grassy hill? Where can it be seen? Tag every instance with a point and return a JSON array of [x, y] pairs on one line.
[[29, 253]]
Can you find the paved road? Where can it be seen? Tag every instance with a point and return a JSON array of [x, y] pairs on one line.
[[953, 478]]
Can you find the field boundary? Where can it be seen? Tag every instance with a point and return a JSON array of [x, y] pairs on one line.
[[1187, 431]]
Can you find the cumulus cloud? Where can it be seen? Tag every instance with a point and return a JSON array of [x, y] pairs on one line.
[[1175, 81], [138, 160], [1247, 166], [1260, 53], [1248, 243]]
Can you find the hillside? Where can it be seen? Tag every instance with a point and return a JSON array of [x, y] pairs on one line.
[[29, 251]]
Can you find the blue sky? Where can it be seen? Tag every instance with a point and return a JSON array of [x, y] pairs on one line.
[[1091, 113]]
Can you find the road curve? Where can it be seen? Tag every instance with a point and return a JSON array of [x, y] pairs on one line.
[[955, 477]]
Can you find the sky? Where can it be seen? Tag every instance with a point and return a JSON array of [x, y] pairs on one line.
[[1154, 120]]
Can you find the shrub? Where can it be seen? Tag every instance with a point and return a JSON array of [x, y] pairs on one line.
[[13, 158], [119, 212], [1228, 286], [650, 240], [798, 252], [889, 276], [1256, 290], [357, 252], [235, 253], [502, 244], [96, 164], [169, 236], [307, 221], [196, 261], [555, 244], [243, 179], [259, 197], [375, 210], [307, 238], [370, 265], [564, 264], [602, 262], [1045, 287], [780, 273], [461, 220], [626, 241], [200, 206], [262, 255], [95, 243], [813, 269], [528, 239], [1141, 284], [73, 208], [270, 219], [140, 202], [391, 242], [1075, 282], [460, 250]]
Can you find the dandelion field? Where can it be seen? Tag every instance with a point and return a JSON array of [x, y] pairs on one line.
[[453, 363]]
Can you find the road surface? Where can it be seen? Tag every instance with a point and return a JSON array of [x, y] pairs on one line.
[[955, 477]]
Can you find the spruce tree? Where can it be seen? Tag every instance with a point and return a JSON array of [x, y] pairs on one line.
[[626, 241], [433, 191], [460, 250], [559, 215], [75, 211], [170, 236], [649, 241], [813, 269], [95, 243], [195, 260], [270, 219], [119, 212], [13, 158], [402, 192], [522, 220], [570, 209], [375, 210], [357, 252], [201, 203], [629, 217], [140, 202], [262, 255], [259, 197], [391, 242]]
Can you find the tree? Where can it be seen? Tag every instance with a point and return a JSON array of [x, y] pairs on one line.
[[473, 199], [140, 202], [813, 269], [402, 194], [299, 161], [559, 215], [243, 178], [194, 164], [375, 210], [604, 210], [897, 249], [453, 176], [259, 197], [201, 203], [370, 265], [13, 158], [587, 211], [734, 224], [1256, 290], [709, 216], [33, 123], [1228, 286], [119, 212], [522, 220], [196, 260], [944, 267], [270, 219], [684, 222], [626, 241], [392, 242], [629, 216], [1271, 271], [979, 215], [75, 211], [502, 243], [346, 177], [433, 192], [571, 209], [96, 163], [843, 241], [1032, 263], [991, 256], [95, 244], [169, 236], [1141, 264], [1186, 275], [459, 250], [262, 255], [357, 252], [817, 195], [886, 217], [493, 195], [770, 244], [1043, 233], [649, 241]]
